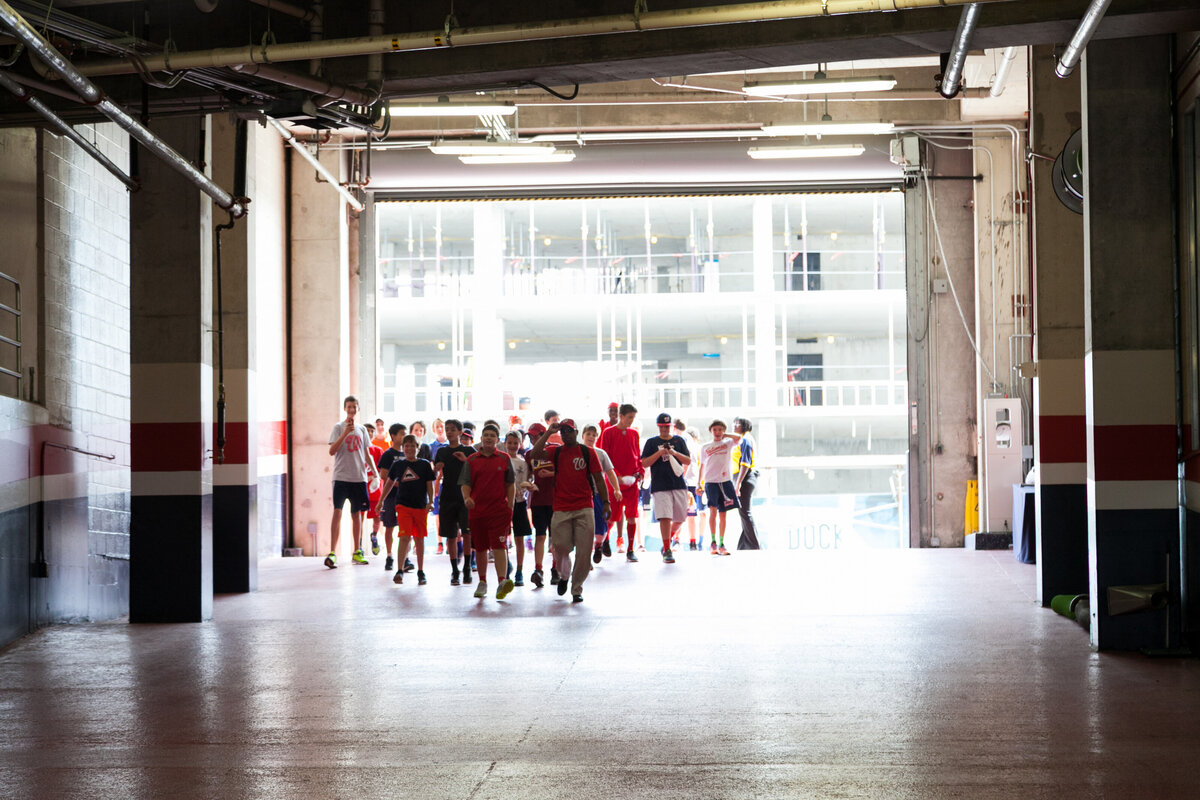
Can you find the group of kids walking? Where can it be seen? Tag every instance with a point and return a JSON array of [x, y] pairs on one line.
[[552, 480]]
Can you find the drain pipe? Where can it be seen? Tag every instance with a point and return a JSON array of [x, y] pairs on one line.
[[375, 20], [354, 202], [671, 19], [958, 51], [66, 130], [92, 95], [1083, 34], [1010, 55]]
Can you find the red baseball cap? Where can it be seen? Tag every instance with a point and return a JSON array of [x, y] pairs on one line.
[[614, 405], [537, 429], [568, 423]]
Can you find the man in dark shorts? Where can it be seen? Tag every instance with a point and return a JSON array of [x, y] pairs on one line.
[[352, 463], [452, 516], [541, 505], [488, 488]]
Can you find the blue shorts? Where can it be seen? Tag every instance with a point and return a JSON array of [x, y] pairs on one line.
[[721, 496], [697, 503]]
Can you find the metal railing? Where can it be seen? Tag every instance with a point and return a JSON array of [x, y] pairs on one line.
[[843, 394], [10, 346]]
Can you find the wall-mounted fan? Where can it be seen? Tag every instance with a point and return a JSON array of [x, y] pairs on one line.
[[1067, 173]]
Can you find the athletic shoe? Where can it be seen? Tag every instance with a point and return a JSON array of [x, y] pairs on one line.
[[520, 579], [389, 564], [576, 598], [536, 578], [408, 565], [692, 544], [620, 544], [641, 548], [420, 578], [606, 548], [454, 578], [374, 544], [714, 549], [398, 577], [481, 590], [597, 555], [723, 551], [554, 575], [668, 557], [440, 550], [359, 558], [331, 560], [562, 587], [504, 589], [630, 557], [466, 578]]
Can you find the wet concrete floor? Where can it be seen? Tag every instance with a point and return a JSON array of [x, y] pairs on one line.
[[900, 674]]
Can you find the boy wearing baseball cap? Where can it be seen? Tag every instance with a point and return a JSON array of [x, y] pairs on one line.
[[667, 457]]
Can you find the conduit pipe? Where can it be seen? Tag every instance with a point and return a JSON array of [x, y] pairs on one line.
[[288, 137], [332, 92], [519, 32], [375, 20], [92, 95], [302, 14], [958, 51], [1010, 55], [1083, 35], [66, 130]]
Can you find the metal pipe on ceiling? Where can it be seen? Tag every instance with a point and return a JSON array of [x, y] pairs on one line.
[[66, 130], [1083, 35], [1010, 54], [253, 53], [952, 77], [319, 86], [302, 14], [92, 95], [288, 137]]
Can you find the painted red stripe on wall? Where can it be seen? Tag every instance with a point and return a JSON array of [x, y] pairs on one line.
[[1063, 439], [1134, 452], [168, 446], [272, 438]]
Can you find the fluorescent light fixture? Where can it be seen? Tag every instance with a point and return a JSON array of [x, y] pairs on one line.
[[557, 157], [451, 109], [819, 85], [480, 148], [634, 136], [807, 151], [827, 128]]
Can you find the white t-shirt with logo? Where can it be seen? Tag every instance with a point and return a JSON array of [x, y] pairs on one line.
[[350, 460], [716, 460]]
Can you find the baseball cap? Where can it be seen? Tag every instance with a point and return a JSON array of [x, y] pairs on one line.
[[536, 429], [568, 423], [614, 405], [664, 419]]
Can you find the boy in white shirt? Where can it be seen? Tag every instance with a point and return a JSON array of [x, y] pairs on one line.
[[352, 464], [716, 473]]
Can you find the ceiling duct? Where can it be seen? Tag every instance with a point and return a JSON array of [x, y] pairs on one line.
[[1083, 35], [952, 75]]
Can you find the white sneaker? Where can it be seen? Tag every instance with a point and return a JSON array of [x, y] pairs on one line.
[[481, 590]]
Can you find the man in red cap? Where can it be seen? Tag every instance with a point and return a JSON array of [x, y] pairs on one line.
[[577, 476], [614, 416]]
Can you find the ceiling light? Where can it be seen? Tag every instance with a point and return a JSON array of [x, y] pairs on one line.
[[546, 241], [832, 238], [807, 151], [448, 109], [829, 128], [821, 85], [631, 136], [724, 340], [483, 148], [512, 345], [441, 345], [653, 240], [557, 157]]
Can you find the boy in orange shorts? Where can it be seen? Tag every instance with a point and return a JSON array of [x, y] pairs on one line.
[[413, 479], [488, 485]]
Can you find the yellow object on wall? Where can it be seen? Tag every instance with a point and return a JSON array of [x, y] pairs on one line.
[[971, 510]]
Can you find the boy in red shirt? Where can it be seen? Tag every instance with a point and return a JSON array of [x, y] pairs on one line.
[[577, 470], [489, 488], [622, 444]]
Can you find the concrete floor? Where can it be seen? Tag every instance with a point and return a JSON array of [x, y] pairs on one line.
[[901, 674]]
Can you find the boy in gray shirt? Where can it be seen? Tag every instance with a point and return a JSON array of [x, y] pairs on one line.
[[351, 464]]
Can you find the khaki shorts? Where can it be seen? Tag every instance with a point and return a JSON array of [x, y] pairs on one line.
[[671, 504]]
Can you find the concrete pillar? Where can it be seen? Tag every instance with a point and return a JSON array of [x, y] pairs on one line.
[[171, 578], [369, 382], [320, 329], [766, 368], [1133, 516], [487, 329], [1060, 423], [235, 480]]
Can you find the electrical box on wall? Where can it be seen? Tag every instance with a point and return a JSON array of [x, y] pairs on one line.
[[905, 152], [1003, 459], [940, 286]]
